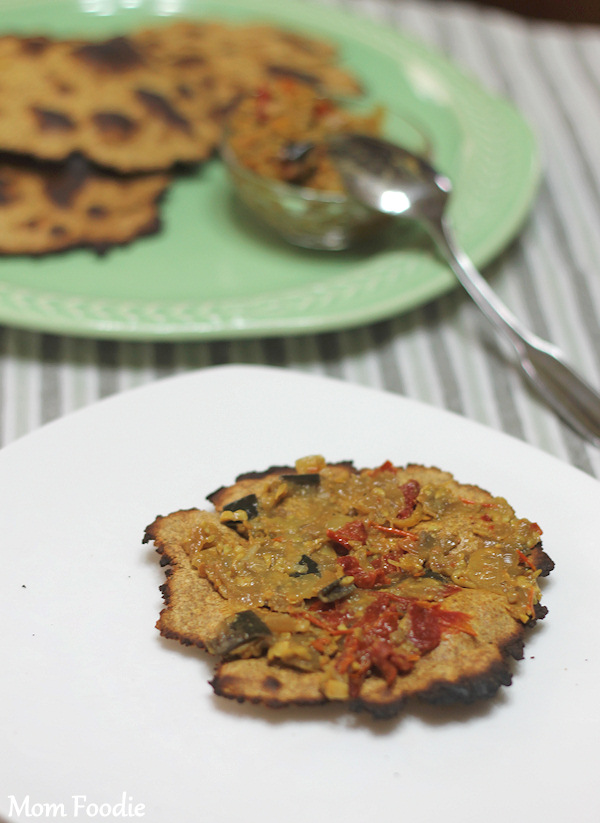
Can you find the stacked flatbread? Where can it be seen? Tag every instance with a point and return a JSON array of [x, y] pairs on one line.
[[93, 132]]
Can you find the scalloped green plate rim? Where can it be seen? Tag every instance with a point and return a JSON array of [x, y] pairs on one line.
[[212, 273]]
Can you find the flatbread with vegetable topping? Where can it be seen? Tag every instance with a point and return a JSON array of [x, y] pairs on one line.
[[368, 587]]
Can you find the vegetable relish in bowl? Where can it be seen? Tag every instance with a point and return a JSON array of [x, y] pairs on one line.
[[275, 149]]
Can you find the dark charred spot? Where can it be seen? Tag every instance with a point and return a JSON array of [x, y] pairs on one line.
[[166, 593], [113, 122], [115, 55], [220, 112], [469, 689], [58, 231], [271, 684], [64, 181], [32, 224], [298, 42], [190, 61], [5, 195], [63, 88], [287, 71], [515, 648], [97, 212], [222, 683], [541, 561], [185, 91], [34, 45], [51, 120], [160, 107]]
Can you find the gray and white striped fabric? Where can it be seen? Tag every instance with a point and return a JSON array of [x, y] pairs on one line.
[[443, 353]]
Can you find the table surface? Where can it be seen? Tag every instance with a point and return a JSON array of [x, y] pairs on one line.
[[443, 353]]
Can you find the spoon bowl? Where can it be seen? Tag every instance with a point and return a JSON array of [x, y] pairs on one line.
[[392, 180], [389, 178]]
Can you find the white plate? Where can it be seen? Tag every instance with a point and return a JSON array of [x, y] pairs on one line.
[[95, 705]]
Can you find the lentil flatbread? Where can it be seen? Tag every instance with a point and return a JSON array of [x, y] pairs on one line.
[[151, 101], [368, 587], [50, 207]]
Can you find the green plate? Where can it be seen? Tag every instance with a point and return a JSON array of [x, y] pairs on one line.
[[212, 272]]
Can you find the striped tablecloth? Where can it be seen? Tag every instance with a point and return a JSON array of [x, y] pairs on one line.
[[443, 353]]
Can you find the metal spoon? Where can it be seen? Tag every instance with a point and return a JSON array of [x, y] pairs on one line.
[[396, 182]]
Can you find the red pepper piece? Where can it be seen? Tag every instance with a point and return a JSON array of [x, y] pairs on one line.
[[322, 107], [363, 578], [410, 490], [263, 96], [428, 621], [425, 628], [355, 531]]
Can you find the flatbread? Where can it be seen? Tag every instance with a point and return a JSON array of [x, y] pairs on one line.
[[47, 207], [104, 100], [149, 100], [152, 101], [222, 62], [408, 585]]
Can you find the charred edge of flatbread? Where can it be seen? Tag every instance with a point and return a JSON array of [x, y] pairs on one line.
[[272, 692], [60, 185], [541, 560], [243, 482], [184, 588], [271, 686], [101, 248], [455, 673]]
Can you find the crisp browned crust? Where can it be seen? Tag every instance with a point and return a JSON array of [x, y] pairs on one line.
[[462, 669], [148, 100], [49, 207], [246, 483], [465, 667], [104, 100], [193, 609]]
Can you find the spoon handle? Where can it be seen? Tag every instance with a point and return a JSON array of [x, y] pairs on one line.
[[564, 390]]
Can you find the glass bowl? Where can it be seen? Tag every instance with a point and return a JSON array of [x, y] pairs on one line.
[[312, 218]]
